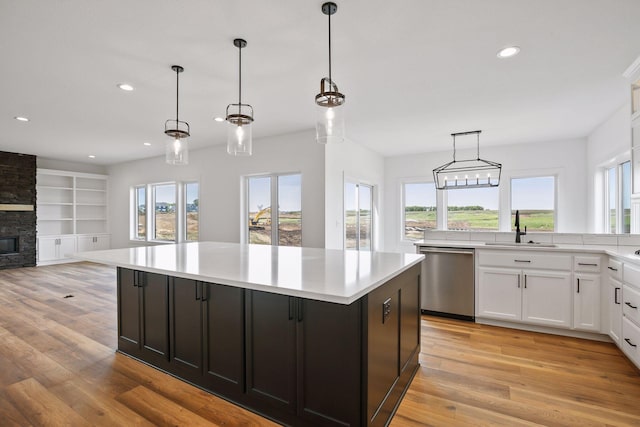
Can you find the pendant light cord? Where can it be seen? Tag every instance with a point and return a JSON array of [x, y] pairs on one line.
[[239, 79], [478, 146], [177, 93], [330, 81]]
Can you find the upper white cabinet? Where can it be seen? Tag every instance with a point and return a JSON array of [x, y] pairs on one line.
[[70, 205]]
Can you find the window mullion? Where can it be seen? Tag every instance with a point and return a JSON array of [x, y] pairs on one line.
[[274, 211]]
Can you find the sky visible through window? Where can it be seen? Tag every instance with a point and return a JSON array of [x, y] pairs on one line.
[[289, 196]]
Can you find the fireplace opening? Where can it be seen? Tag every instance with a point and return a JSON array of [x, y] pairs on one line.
[[8, 245]]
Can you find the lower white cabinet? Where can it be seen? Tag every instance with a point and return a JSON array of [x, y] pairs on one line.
[[54, 248], [586, 302], [93, 243], [631, 340], [530, 296], [615, 310]]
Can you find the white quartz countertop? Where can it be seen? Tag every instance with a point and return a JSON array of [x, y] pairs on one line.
[[321, 274], [626, 253]]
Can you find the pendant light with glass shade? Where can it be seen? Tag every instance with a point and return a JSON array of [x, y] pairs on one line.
[[241, 116], [177, 150], [330, 119]]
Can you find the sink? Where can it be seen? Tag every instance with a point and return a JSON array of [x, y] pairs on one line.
[[524, 244]]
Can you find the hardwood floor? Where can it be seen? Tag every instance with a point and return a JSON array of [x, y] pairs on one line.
[[58, 367]]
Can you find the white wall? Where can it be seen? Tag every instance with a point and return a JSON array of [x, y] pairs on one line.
[[566, 159], [44, 163], [220, 185], [608, 144], [353, 161]]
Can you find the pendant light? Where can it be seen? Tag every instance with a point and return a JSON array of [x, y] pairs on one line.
[[239, 121], [330, 114], [177, 149], [472, 173]]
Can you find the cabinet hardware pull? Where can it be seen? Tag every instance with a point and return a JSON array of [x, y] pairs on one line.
[[525, 281], [290, 308], [612, 269], [589, 264], [615, 295], [136, 278], [518, 281], [630, 343], [300, 310], [578, 285], [630, 305], [198, 293], [521, 260]]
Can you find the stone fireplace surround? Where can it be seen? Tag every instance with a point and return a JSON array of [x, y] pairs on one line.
[[18, 187]]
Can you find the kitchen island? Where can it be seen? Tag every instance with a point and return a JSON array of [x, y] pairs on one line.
[[302, 336]]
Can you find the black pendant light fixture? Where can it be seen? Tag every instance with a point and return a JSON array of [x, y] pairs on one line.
[[239, 116], [330, 119], [177, 150], [471, 173]]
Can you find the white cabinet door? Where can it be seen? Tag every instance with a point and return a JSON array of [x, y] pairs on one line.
[[47, 248], [85, 243], [546, 298], [499, 293], [66, 246], [615, 310], [102, 242], [586, 302]]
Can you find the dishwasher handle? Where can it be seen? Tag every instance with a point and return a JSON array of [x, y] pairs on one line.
[[446, 251]]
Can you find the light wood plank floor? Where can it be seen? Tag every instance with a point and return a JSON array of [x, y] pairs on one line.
[[58, 367]]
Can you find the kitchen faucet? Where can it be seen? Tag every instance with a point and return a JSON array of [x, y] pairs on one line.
[[518, 232]]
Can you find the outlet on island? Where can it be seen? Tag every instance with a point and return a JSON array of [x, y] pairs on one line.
[[386, 309]]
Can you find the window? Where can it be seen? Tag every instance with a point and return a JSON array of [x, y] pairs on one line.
[[283, 191], [192, 208], [618, 198], [164, 212], [358, 216], [535, 198], [472, 209], [419, 209], [140, 215]]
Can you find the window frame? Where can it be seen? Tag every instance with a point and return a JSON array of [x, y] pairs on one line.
[[150, 200], [403, 200], [273, 197], [185, 223], [372, 188], [555, 198], [136, 215], [617, 166]]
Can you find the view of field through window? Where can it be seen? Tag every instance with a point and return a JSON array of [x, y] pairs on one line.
[[358, 204], [478, 209], [288, 195]]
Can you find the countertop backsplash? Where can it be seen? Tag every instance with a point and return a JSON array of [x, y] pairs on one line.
[[555, 238]]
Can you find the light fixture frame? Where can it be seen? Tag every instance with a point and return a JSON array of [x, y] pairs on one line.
[[175, 130], [239, 118], [458, 168]]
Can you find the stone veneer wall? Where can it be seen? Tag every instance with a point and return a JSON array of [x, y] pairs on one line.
[[18, 186]]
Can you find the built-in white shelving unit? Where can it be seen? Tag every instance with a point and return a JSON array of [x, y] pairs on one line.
[[71, 212]]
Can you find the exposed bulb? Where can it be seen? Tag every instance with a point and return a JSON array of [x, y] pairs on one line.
[[177, 146], [330, 115], [240, 134]]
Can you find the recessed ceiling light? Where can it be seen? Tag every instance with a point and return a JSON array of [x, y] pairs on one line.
[[508, 52], [126, 87], [148, 144], [21, 119], [91, 156], [219, 119]]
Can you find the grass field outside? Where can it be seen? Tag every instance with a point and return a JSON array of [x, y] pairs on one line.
[[416, 222], [289, 229]]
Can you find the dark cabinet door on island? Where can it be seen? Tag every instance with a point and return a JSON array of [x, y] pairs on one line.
[[186, 327], [143, 321], [304, 358]]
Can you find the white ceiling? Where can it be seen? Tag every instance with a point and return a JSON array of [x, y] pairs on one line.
[[413, 71]]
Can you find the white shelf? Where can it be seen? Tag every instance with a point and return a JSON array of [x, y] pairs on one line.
[[71, 203]]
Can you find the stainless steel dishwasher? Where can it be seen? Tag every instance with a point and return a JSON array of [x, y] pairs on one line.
[[447, 283]]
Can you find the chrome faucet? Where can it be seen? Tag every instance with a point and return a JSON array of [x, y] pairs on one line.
[[518, 232]]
